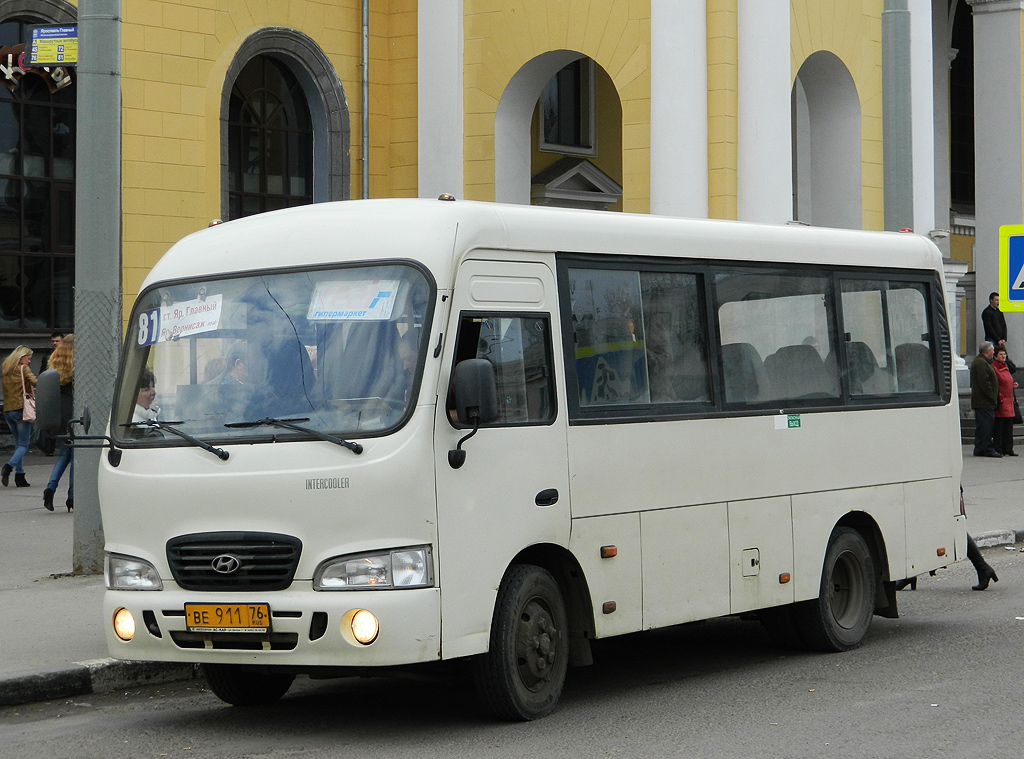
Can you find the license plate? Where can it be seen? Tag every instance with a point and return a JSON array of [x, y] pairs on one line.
[[251, 618]]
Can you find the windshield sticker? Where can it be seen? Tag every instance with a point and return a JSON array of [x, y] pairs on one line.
[[189, 317], [363, 300]]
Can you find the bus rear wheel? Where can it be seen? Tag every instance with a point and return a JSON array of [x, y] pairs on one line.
[[521, 676], [839, 618], [237, 686]]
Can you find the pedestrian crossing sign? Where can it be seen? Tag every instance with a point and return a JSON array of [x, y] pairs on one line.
[[1011, 267]]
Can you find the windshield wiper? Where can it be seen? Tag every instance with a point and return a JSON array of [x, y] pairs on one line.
[[166, 427], [288, 424]]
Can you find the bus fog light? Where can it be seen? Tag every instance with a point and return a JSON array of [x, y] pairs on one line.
[[124, 624], [359, 626]]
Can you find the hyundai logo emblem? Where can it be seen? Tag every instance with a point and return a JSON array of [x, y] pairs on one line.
[[226, 564]]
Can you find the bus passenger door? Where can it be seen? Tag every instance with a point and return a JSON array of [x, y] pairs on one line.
[[512, 492]]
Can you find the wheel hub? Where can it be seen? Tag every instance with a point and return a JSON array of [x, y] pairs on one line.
[[536, 645]]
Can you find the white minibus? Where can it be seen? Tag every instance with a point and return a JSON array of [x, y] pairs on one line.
[[390, 432]]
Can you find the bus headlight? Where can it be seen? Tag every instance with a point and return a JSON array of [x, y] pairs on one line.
[[383, 570], [130, 573]]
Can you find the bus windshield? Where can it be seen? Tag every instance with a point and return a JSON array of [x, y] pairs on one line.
[[337, 351]]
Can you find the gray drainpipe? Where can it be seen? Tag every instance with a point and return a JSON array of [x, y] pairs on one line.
[[366, 98]]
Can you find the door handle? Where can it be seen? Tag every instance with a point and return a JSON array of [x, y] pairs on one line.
[[547, 497]]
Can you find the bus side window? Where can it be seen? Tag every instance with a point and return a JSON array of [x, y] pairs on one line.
[[609, 337], [784, 319], [888, 349], [519, 347], [677, 348]]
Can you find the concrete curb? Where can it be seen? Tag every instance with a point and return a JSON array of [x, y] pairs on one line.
[[997, 538], [83, 678]]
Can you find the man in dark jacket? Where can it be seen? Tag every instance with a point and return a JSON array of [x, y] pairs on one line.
[[994, 321], [984, 397]]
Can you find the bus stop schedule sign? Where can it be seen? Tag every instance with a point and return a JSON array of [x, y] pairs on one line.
[[53, 46]]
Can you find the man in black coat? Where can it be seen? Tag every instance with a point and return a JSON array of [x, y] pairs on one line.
[[994, 321]]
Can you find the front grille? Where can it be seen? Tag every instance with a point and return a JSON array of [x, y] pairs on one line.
[[256, 560]]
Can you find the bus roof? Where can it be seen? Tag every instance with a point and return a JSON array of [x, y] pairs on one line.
[[435, 232]]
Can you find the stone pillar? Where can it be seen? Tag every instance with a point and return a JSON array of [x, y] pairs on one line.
[[922, 99], [897, 136], [440, 111], [679, 108], [942, 58], [954, 271], [998, 136], [764, 151]]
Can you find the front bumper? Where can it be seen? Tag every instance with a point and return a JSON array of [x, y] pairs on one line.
[[305, 629]]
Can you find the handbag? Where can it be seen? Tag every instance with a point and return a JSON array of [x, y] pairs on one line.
[[1017, 418], [28, 411]]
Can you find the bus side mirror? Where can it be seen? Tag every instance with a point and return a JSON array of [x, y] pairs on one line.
[[476, 392], [476, 400], [48, 402]]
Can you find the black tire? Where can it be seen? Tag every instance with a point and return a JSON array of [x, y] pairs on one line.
[[238, 686], [838, 620], [521, 676]]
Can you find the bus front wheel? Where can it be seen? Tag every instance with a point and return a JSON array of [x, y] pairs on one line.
[[521, 676], [240, 687], [839, 618]]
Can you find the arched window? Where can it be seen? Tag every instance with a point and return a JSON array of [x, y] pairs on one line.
[[37, 190], [270, 140]]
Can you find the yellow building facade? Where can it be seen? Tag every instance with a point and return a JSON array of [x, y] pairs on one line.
[[761, 110]]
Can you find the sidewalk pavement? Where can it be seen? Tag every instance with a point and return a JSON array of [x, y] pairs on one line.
[[51, 633]]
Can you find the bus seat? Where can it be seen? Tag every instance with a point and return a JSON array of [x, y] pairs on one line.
[[865, 377], [746, 380], [914, 368], [797, 371]]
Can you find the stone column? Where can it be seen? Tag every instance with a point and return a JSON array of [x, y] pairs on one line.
[[679, 108], [897, 136], [440, 112], [922, 99], [764, 151], [999, 168]]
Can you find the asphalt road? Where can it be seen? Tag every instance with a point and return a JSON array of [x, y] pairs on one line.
[[943, 680]]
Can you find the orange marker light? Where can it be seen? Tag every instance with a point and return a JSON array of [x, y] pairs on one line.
[[608, 552], [784, 578], [608, 607], [940, 552]]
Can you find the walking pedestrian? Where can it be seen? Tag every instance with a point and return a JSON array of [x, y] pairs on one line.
[[984, 397], [18, 380], [63, 361], [47, 441]]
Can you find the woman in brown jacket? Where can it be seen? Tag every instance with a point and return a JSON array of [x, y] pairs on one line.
[[15, 371]]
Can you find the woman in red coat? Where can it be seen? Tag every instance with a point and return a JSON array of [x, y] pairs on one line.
[[1002, 433]]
